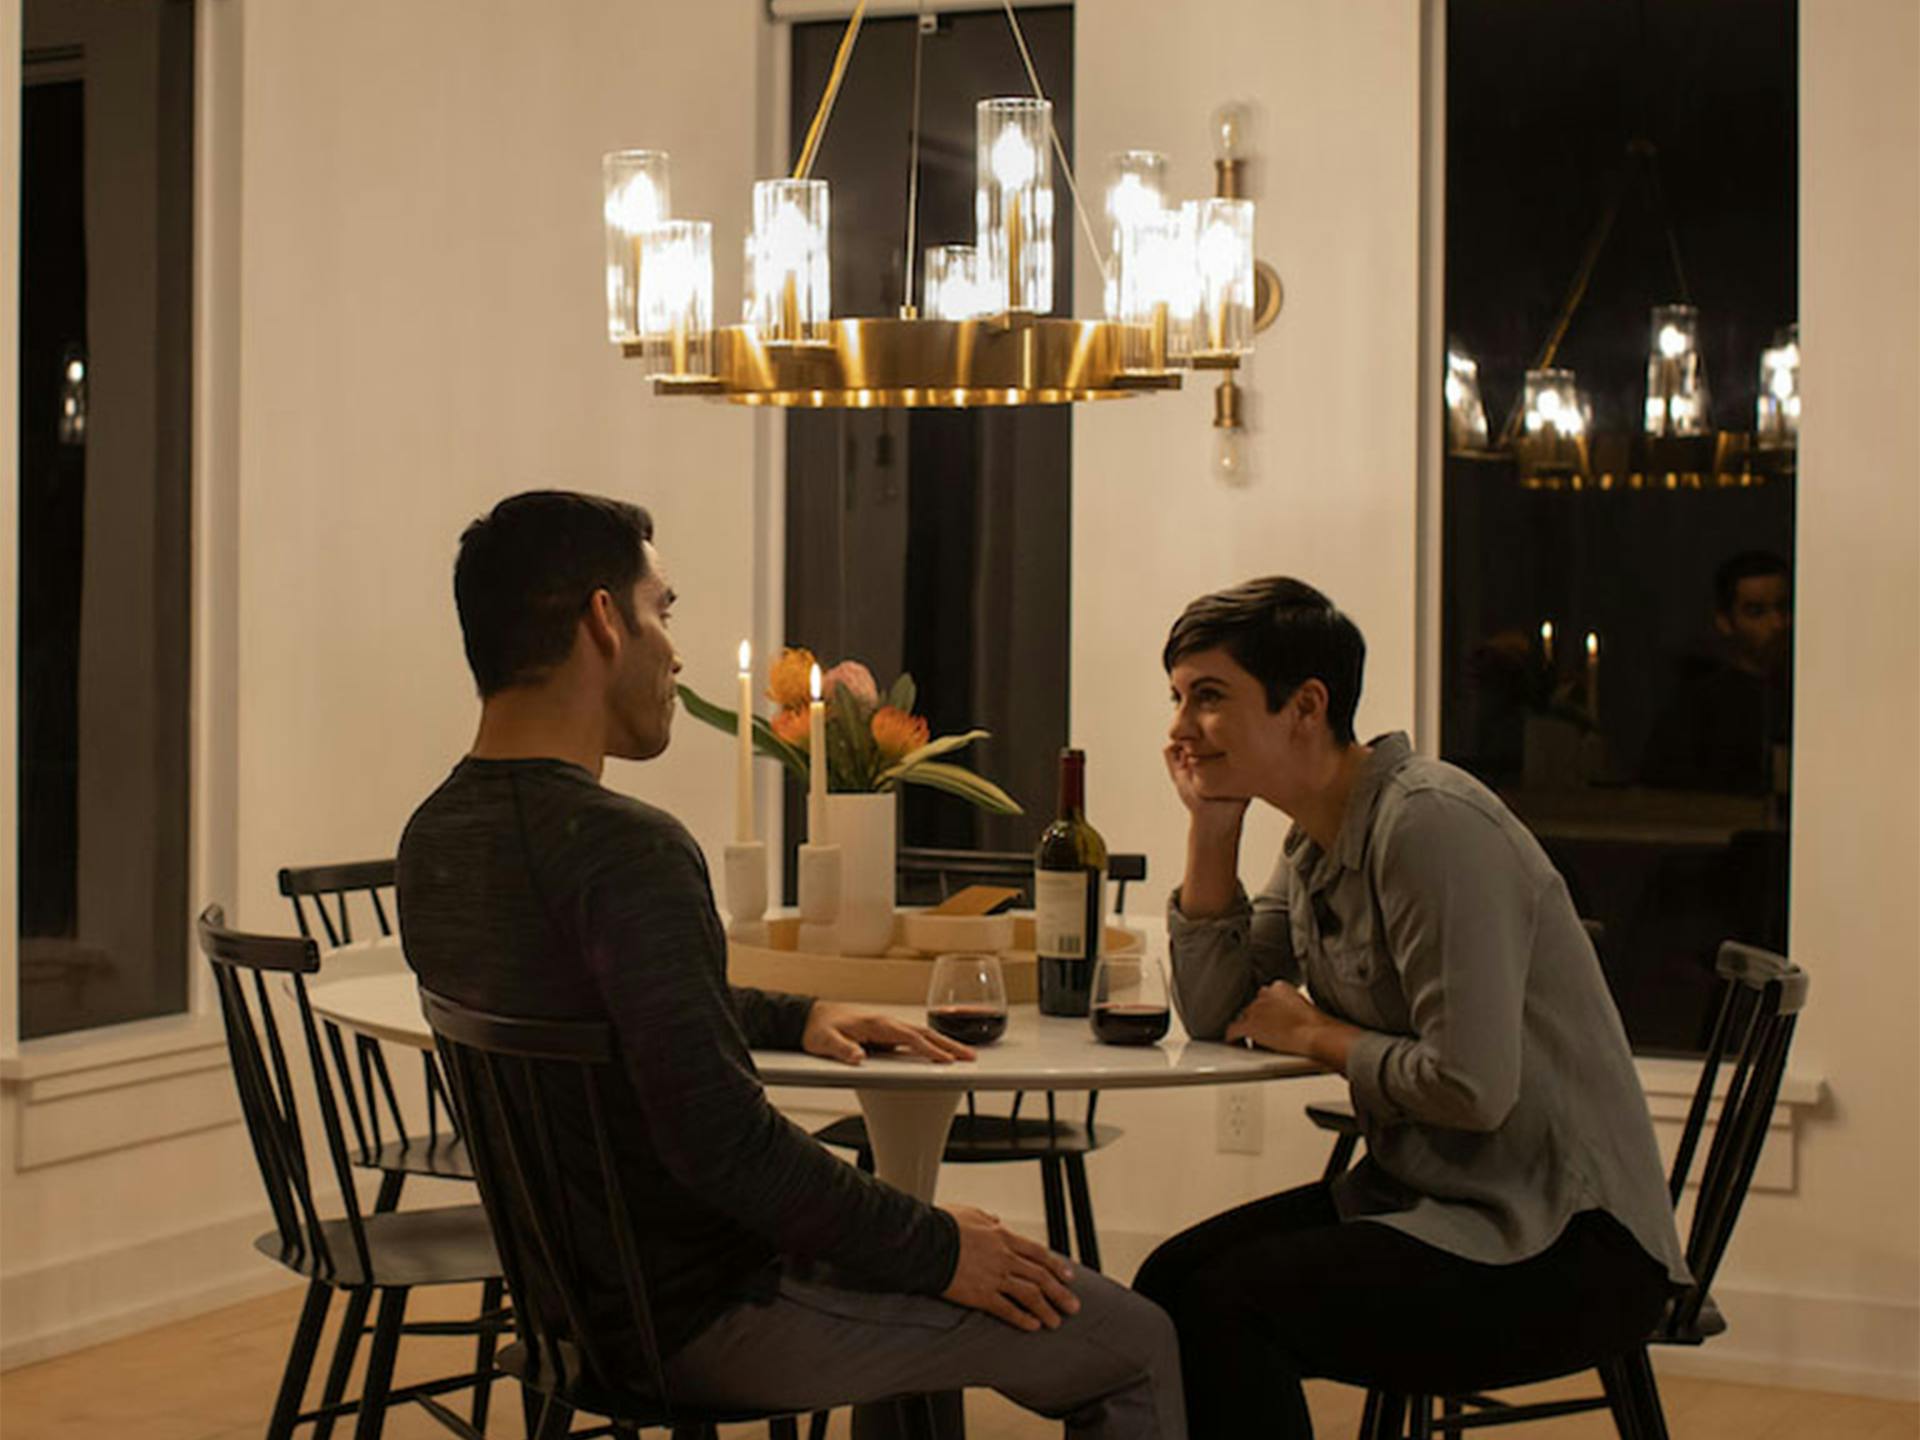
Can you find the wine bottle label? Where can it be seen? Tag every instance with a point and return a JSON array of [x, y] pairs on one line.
[[1062, 914]]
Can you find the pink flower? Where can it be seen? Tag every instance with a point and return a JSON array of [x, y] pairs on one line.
[[856, 677], [792, 725], [897, 733]]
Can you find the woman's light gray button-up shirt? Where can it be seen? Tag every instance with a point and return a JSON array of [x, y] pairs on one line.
[[1494, 1082]]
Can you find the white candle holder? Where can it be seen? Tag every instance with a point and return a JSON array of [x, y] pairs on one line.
[[820, 899], [746, 876]]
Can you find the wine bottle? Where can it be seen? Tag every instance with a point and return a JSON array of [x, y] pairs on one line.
[[1069, 895]]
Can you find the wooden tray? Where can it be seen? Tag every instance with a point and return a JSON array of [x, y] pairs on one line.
[[900, 977]]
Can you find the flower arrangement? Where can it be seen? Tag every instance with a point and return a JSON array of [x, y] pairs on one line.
[[873, 742]]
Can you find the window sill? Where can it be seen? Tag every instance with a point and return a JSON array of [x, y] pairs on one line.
[[167, 1044]]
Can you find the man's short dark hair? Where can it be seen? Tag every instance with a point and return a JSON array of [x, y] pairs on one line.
[[526, 571], [1283, 632], [1747, 565]]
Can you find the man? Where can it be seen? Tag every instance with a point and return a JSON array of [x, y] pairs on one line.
[[526, 887], [1510, 1219], [1731, 714]]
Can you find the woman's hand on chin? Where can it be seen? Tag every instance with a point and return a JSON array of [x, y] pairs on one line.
[[1207, 810]]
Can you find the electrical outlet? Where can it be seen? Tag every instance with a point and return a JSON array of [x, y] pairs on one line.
[[1240, 1123]]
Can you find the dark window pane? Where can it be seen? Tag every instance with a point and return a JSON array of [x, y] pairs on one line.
[[105, 366]]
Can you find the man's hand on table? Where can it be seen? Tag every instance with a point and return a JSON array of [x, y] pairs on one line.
[[838, 1031], [1280, 1018], [1009, 1276]]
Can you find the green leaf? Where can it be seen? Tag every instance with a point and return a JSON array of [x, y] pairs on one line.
[[728, 722], [851, 753], [903, 695], [932, 750], [957, 781]]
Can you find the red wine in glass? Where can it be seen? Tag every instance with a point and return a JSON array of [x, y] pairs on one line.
[[1130, 1024], [969, 1024]]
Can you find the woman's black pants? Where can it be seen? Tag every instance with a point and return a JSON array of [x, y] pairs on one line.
[[1282, 1289]]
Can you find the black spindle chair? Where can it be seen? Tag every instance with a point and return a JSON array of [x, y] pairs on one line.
[[1762, 995], [529, 1090], [1058, 1146], [382, 1139], [382, 1254]]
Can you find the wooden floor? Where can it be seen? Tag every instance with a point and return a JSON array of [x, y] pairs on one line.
[[213, 1378]]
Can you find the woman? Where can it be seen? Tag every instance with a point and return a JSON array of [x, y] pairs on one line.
[[1510, 1219]]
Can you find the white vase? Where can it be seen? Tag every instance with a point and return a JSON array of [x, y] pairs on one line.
[[863, 827]]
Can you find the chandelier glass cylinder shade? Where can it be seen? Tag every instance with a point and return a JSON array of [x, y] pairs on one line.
[[792, 283], [635, 195], [1153, 261], [1223, 260], [1776, 420], [1677, 402], [676, 299], [1013, 202], [950, 287], [1555, 438], [1136, 189], [1466, 414]]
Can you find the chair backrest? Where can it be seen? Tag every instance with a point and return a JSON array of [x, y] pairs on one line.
[[1761, 1000], [269, 1098], [372, 1106], [927, 876], [529, 1091]]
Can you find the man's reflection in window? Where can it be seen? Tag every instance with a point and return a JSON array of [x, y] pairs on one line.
[[1727, 725]]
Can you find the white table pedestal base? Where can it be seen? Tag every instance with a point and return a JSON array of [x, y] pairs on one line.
[[908, 1130]]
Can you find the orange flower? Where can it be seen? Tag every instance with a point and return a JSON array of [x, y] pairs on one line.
[[792, 726], [788, 679], [897, 733]]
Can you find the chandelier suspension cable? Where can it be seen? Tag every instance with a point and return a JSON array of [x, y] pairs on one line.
[[803, 167], [907, 310], [1066, 165]]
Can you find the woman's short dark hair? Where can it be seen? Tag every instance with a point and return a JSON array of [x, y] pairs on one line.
[[1283, 632], [526, 571]]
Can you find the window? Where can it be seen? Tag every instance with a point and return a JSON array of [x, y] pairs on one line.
[[105, 366], [1652, 762]]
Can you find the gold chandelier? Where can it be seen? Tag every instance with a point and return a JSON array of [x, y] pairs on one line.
[[1179, 282]]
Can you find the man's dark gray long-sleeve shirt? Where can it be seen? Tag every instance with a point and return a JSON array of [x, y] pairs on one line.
[[527, 888]]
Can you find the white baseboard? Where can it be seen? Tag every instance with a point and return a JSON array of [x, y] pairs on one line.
[[70, 1304]]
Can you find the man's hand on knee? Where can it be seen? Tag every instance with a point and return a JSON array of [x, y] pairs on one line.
[[1007, 1275]]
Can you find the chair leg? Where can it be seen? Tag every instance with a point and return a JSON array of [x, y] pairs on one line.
[[783, 1427], [1387, 1415], [1451, 1410], [1058, 1240], [1420, 1417], [391, 1182], [1645, 1389], [546, 1417], [817, 1427], [1370, 1415], [1082, 1210], [386, 1344], [490, 1293], [345, 1346], [1621, 1403], [306, 1342]]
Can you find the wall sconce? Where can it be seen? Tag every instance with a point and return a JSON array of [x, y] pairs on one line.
[[1239, 295]]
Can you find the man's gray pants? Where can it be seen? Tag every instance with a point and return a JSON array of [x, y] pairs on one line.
[[1111, 1372]]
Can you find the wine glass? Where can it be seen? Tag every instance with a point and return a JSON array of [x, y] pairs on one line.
[[967, 1000], [1130, 1004]]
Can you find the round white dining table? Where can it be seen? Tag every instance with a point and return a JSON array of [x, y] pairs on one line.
[[909, 1103]]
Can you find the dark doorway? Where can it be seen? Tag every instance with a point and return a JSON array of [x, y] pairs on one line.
[[935, 541]]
